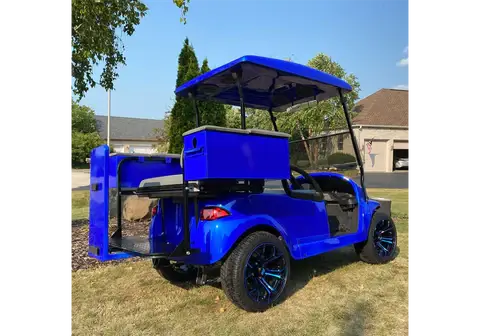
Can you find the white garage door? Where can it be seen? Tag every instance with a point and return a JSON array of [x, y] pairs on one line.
[[134, 148], [376, 155], [142, 149]]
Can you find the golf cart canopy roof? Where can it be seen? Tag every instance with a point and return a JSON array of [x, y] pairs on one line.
[[265, 83]]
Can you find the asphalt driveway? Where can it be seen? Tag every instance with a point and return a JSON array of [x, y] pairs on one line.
[[397, 180]]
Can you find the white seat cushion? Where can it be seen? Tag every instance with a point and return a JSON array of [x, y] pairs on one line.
[[162, 181], [237, 131]]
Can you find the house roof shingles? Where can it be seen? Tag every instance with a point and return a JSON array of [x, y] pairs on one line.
[[122, 128], [386, 107]]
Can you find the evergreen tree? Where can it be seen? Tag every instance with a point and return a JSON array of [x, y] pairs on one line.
[[183, 113], [211, 113]]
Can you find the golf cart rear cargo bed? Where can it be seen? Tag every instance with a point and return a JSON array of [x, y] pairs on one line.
[[143, 245]]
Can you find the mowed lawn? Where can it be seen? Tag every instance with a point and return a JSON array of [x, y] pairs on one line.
[[80, 200], [332, 294]]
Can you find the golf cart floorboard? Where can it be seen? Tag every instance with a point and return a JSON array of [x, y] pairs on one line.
[[142, 245], [341, 222]]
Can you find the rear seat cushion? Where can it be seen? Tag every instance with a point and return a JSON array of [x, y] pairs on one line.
[[162, 181], [238, 131]]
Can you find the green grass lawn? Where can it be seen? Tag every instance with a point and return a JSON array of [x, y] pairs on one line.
[[399, 199], [80, 201], [332, 294]]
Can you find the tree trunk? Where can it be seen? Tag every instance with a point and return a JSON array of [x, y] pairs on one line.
[[306, 145]]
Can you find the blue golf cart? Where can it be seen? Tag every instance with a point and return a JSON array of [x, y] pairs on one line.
[[213, 208]]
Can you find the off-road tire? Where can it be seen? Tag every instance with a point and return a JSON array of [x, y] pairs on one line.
[[232, 271], [170, 273], [366, 250]]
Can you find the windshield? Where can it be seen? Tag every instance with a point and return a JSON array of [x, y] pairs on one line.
[[331, 150]]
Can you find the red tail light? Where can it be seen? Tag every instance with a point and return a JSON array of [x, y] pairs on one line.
[[213, 213], [154, 210]]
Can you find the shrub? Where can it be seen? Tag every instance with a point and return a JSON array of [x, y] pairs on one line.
[[303, 163], [82, 145], [340, 158]]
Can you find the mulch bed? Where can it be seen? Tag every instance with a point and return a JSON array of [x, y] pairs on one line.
[[80, 257]]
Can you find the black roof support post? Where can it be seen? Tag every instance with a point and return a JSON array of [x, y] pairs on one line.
[[354, 141], [242, 103], [195, 107]]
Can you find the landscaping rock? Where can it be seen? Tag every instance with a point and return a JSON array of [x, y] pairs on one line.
[[133, 207], [137, 208]]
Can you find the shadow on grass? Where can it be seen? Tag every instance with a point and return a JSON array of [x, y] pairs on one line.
[[302, 271]]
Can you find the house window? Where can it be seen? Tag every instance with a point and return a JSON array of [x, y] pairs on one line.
[[340, 142]]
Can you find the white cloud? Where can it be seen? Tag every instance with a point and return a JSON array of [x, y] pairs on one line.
[[401, 87], [409, 59]]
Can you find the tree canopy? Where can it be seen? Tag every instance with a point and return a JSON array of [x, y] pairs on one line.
[[97, 27], [183, 113], [211, 113], [84, 134]]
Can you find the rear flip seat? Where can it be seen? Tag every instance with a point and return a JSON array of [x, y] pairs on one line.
[[162, 181]]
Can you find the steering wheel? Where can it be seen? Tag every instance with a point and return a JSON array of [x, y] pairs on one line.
[[296, 185]]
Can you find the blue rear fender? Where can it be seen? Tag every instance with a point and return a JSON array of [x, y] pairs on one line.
[[224, 234], [215, 239]]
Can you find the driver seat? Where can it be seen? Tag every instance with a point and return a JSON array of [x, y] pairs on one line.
[[303, 194], [308, 195]]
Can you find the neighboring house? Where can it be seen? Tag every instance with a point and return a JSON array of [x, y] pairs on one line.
[[381, 128], [130, 135]]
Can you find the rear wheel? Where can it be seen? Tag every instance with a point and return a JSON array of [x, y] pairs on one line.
[[255, 274], [381, 244], [174, 272]]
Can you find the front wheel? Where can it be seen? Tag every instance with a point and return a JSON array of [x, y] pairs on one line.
[[381, 244], [255, 274]]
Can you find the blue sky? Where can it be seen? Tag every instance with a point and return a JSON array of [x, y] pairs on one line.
[[367, 37]]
